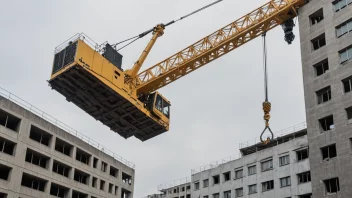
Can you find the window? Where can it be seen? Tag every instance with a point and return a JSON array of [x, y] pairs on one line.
[[114, 171], [344, 28], [318, 42], [227, 194], [33, 182], [238, 174], [6, 146], [183, 188], [127, 179], [324, 95], [216, 195], [206, 196], [304, 177], [345, 54], [175, 191], [9, 121], [81, 177], [102, 185], [284, 160], [302, 154], [4, 172], [77, 194], [252, 189], [63, 147], [316, 17], [216, 179], [40, 136], [252, 170], [3, 195], [205, 183], [116, 188], [267, 165], [196, 186], [327, 123], [239, 192], [125, 193], [188, 196], [329, 152], [332, 185], [321, 67], [347, 84], [305, 196], [188, 188], [340, 4], [227, 176], [103, 166], [286, 181], [95, 182], [36, 158], [82, 156], [111, 187], [95, 162], [58, 190], [61, 168], [268, 185], [349, 113]]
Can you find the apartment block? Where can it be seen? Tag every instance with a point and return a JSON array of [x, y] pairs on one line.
[[326, 48], [40, 159], [176, 189]]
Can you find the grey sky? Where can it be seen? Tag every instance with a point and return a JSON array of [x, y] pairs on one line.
[[213, 109]]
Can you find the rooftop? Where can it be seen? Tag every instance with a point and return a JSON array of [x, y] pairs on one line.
[[29, 107]]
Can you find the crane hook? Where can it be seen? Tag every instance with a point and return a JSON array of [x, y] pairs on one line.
[[266, 109]]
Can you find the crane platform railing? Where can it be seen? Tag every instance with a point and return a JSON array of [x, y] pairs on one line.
[[31, 108]]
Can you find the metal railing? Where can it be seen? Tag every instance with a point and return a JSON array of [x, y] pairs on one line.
[[174, 183], [79, 36], [29, 107], [214, 164], [280, 133]]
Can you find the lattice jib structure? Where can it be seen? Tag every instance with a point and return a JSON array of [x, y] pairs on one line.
[[217, 44]]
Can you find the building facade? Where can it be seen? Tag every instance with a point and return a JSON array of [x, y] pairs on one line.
[[39, 159], [182, 190], [326, 46]]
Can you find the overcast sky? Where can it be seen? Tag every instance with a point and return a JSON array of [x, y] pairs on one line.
[[213, 109]]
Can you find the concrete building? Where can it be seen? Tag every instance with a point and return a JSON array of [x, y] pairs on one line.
[[40, 159], [326, 46], [277, 170], [180, 188]]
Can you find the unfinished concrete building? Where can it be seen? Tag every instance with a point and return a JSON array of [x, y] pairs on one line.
[[326, 47], [180, 188], [40, 159]]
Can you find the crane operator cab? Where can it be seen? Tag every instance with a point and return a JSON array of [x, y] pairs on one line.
[[158, 105]]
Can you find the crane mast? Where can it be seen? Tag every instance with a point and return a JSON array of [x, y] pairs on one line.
[[217, 44]]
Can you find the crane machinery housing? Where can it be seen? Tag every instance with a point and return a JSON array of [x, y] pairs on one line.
[[91, 76]]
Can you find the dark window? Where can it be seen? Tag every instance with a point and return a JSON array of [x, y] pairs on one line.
[[114, 171], [304, 177], [111, 187], [116, 188], [316, 17], [188, 196], [4, 172], [9, 121], [347, 84], [205, 183], [268, 185], [81, 177], [6, 146], [341, 4], [95, 162], [216, 195], [324, 95], [40, 135], [305, 196], [227, 194], [104, 166], [61, 168], [77, 194], [332, 185], [302, 154], [216, 179], [102, 185], [127, 179], [94, 182], [318, 42], [33, 182], [329, 152], [196, 186], [125, 193], [349, 113], [82, 156], [321, 67], [327, 123], [227, 176], [188, 188], [175, 190], [58, 190], [3, 195], [63, 147], [36, 158], [183, 189]]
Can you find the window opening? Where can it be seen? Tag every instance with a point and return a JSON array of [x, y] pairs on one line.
[[347, 84], [33, 182], [127, 179], [61, 168], [324, 95], [63, 147], [82, 156], [103, 166], [269, 185], [6, 146], [216, 179], [239, 192], [304, 177], [238, 174], [321, 67], [332, 185], [316, 17], [9, 121], [36, 158], [102, 185], [5, 172], [329, 152], [205, 183], [302, 154], [81, 177], [77, 194], [58, 190], [286, 181], [327, 123], [113, 171], [318, 42], [227, 176], [40, 135]]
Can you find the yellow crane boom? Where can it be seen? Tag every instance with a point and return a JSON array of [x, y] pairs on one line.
[[127, 101]]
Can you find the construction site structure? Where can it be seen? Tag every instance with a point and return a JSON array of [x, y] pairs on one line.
[[91, 75]]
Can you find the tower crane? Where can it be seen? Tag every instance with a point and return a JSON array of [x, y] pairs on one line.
[[127, 101]]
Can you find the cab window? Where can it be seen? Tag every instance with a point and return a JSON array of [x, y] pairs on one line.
[[162, 105]]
